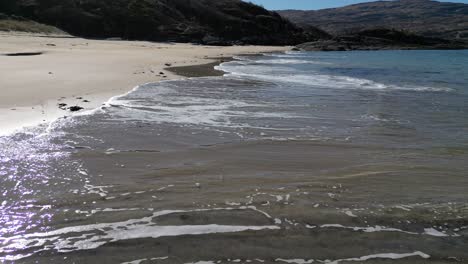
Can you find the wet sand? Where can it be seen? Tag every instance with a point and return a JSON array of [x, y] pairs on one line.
[[49, 71], [305, 208], [175, 194], [203, 70], [158, 176]]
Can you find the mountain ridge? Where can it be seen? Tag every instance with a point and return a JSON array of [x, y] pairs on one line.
[[423, 17]]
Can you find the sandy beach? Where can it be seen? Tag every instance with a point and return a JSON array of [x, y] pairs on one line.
[[233, 132], [86, 73], [306, 157]]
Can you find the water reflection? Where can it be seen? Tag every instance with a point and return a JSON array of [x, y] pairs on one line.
[[32, 170]]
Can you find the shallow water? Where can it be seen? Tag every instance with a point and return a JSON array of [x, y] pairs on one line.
[[289, 158]]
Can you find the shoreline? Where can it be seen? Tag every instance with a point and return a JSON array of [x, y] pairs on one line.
[[87, 73], [200, 70]]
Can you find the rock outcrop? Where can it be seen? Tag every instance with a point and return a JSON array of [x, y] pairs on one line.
[[380, 39]]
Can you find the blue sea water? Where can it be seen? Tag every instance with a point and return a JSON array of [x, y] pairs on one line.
[[402, 98], [287, 156]]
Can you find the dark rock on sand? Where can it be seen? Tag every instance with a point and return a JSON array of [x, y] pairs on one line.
[[17, 54], [75, 108]]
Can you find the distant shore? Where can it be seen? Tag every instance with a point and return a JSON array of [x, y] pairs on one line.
[[42, 77]]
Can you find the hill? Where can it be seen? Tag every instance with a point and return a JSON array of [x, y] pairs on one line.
[[423, 17], [219, 22], [25, 25], [381, 39]]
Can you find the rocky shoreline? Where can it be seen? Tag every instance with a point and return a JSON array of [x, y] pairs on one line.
[[381, 39]]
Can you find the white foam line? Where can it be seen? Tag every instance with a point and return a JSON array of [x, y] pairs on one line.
[[371, 229], [201, 262], [350, 213], [402, 207], [83, 228], [95, 235], [51, 123], [383, 256], [160, 258], [289, 61], [257, 210], [137, 261], [363, 258], [297, 261], [108, 103], [107, 210], [434, 232], [334, 81]]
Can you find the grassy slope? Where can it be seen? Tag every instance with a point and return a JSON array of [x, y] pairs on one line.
[[27, 26]]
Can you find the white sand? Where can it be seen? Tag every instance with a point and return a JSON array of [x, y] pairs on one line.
[[31, 87]]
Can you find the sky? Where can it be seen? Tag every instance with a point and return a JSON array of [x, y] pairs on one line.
[[314, 4]]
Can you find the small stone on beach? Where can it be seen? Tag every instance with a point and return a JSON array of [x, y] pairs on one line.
[[75, 108]]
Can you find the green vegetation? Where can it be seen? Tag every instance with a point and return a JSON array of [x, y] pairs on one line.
[[8, 24], [201, 21]]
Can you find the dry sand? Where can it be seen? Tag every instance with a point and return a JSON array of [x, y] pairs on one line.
[[71, 70]]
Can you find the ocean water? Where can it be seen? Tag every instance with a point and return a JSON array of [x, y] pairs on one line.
[[297, 157]]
